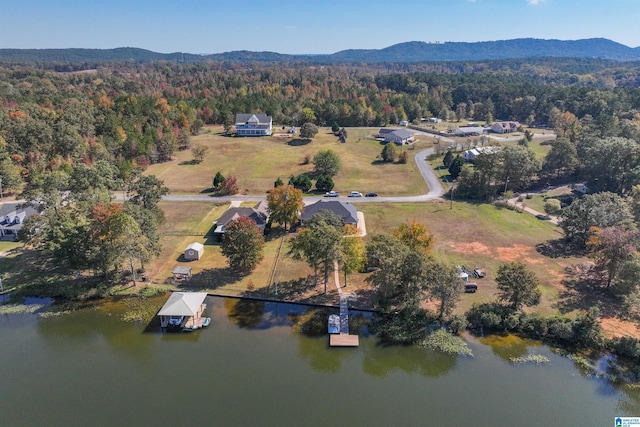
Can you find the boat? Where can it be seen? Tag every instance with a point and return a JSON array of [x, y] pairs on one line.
[[334, 324], [207, 320]]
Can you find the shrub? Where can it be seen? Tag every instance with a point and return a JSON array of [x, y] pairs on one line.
[[552, 206], [404, 157], [626, 347], [458, 323], [301, 182], [324, 183], [228, 187]]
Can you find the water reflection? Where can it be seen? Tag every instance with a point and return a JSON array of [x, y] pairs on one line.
[[245, 313], [92, 356], [380, 361], [509, 346]]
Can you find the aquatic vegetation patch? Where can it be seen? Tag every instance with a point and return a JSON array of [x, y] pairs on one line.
[[447, 343], [538, 359], [141, 309], [19, 308]]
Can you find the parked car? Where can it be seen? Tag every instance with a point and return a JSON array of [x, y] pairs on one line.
[[470, 287], [355, 194], [332, 194], [371, 194]]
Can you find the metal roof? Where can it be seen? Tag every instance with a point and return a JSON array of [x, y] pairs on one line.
[[183, 304]]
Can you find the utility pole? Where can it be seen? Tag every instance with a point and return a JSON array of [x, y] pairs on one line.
[[1, 198], [452, 190]]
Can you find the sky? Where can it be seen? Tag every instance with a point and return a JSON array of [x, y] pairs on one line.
[[305, 26]]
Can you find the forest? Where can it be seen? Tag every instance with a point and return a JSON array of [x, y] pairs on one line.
[[132, 115], [77, 135]]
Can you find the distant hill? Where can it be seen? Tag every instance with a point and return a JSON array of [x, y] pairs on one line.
[[502, 49], [93, 55], [403, 52]]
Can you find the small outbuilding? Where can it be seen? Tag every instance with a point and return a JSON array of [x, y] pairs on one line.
[[194, 251], [181, 273]]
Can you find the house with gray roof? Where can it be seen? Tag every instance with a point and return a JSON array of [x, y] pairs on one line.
[[258, 124], [346, 211], [12, 216], [469, 131], [384, 132], [505, 127], [399, 136], [258, 214]]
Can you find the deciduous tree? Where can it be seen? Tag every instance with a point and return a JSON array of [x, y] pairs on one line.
[[390, 153], [415, 235], [319, 246], [612, 247], [518, 286], [599, 210], [445, 286], [327, 163], [354, 255], [198, 152], [243, 244], [561, 158], [285, 203], [308, 130], [229, 186]]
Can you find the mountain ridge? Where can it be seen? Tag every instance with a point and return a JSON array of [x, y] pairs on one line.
[[411, 51]]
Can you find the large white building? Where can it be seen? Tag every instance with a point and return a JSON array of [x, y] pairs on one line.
[[253, 124]]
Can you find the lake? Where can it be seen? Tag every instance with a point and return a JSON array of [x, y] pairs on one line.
[[251, 368]]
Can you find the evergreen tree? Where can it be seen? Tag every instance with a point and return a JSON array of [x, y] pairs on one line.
[[456, 166]]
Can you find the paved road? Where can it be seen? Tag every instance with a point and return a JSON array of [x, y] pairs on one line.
[[433, 182]]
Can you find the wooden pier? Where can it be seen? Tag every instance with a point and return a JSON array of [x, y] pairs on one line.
[[343, 339]]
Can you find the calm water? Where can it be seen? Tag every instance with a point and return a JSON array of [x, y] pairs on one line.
[[252, 369]]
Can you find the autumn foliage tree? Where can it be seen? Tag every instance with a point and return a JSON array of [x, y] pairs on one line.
[[228, 187], [284, 204], [415, 235], [116, 238], [243, 244]]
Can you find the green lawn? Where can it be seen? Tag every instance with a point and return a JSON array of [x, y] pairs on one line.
[[257, 162]]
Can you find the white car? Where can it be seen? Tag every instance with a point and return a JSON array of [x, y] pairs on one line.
[[332, 194], [355, 194]]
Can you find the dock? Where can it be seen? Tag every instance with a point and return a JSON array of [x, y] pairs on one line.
[[343, 339]]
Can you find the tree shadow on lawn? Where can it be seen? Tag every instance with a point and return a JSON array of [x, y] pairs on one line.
[[213, 278], [378, 162], [189, 163], [585, 288], [303, 289], [559, 248], [298, 142]]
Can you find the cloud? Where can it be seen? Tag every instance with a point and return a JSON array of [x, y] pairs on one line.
[[291, 27], [535, 2]]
